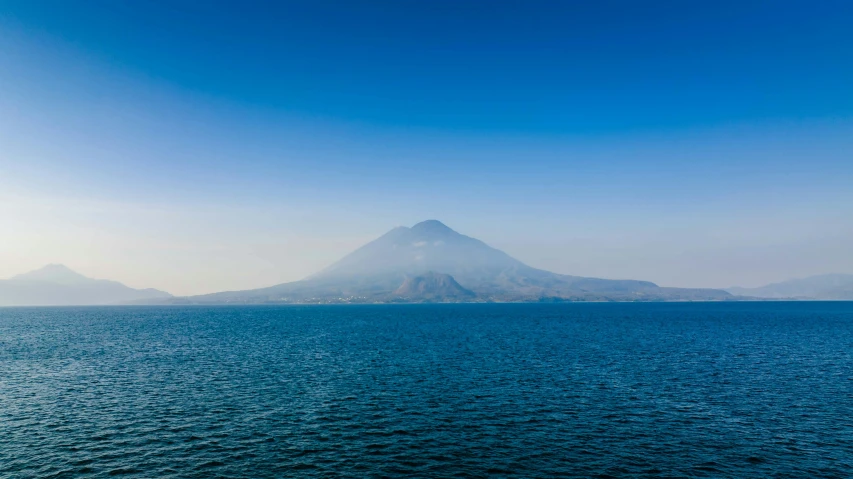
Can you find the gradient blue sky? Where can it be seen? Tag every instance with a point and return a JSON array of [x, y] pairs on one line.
[[202, 146]]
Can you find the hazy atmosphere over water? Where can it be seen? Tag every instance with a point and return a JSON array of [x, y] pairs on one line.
[[197, 149]]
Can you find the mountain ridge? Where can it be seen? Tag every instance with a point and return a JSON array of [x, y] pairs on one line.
[[428, 262], [58, 285], [834, 286]]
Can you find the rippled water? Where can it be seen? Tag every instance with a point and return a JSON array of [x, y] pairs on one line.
[[608, 390]]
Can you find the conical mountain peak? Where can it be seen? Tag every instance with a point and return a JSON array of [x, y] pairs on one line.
[[433, 230], [57, 268], [432, 225], [56, 273], [426, 246]]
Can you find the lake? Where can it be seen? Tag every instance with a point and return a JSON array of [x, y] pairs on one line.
[[490, 390]]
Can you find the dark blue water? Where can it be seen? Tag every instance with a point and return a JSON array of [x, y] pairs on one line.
[[573, 390]]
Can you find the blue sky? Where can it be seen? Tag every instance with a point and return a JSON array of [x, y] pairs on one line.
[[199, 146]]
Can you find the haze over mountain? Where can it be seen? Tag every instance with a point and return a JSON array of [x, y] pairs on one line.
[[57, 285], [826, 286], [430, 261]]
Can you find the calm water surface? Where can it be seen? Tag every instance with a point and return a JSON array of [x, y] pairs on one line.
[[572, 390]]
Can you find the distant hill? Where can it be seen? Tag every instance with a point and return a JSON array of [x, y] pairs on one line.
[[57, 285], [826, 286], [388, 268], [432, 286]]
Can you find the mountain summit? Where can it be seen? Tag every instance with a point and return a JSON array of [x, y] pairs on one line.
[[432, 227], [427, 246], [53, 273], [432, 262]]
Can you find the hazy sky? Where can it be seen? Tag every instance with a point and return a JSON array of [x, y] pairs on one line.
[[205, 146]]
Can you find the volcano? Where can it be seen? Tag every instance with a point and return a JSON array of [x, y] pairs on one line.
[[432, 262]]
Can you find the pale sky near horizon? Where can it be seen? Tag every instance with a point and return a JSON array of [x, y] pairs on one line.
[[195, 149]]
